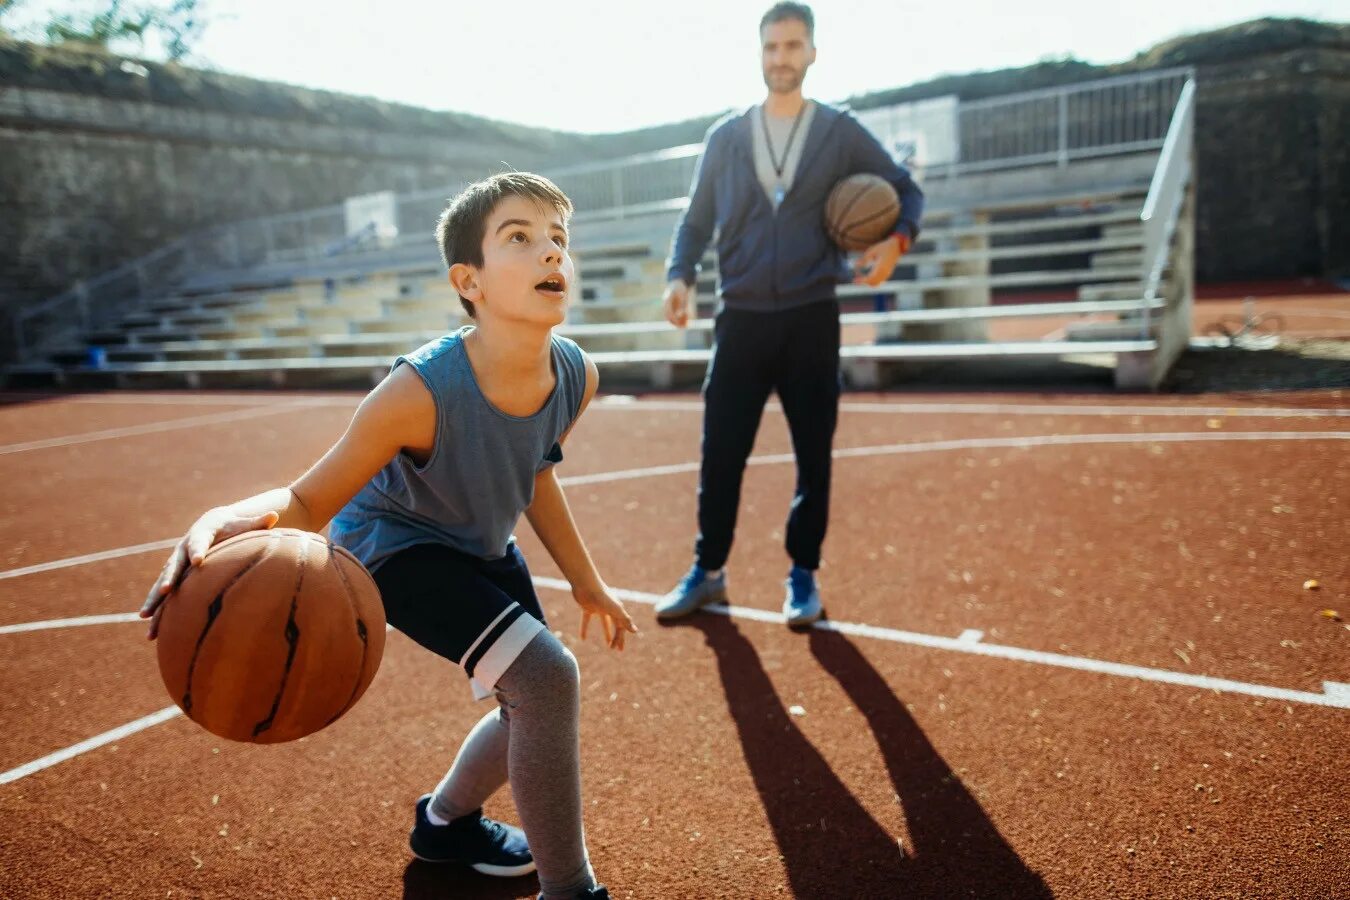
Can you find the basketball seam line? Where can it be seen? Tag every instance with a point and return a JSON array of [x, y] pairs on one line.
[[866, 219], [361, 631], [201, 638], [292, 638], [843, 214]]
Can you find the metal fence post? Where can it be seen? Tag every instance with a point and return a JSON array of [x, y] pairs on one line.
[[82, 304], [1063, 129]]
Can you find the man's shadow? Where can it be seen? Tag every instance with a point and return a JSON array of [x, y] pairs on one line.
[[831, 845]]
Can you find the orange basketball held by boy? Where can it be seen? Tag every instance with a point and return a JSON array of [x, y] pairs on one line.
[[273, 636]]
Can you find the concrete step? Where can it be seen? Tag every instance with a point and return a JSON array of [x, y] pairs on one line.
[[1113, 291]]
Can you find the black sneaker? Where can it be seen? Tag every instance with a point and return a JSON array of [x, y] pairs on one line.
[[596, 893], [482, 844]]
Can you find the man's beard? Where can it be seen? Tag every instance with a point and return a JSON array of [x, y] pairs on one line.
[[792, 81]]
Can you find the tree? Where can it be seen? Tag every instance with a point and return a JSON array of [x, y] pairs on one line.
[[116, 24]]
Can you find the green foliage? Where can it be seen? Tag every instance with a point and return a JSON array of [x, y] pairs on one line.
[[116, 24]]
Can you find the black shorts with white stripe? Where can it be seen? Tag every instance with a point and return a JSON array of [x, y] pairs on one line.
[[477, 613]]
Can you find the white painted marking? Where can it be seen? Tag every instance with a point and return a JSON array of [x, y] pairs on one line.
[[1334, 694], [110, 619], [89, 558], [1337, 689], [846, 453], [136, 399], [999, 651], [1042, 440], [151, 428], [93, 743], [1017, 409]]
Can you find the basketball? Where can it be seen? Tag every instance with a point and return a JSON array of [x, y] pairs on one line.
[[273, 636], [861, 210]]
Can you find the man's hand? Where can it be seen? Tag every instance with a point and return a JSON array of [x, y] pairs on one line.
[[597, 601], [676, 301], [878, 261]]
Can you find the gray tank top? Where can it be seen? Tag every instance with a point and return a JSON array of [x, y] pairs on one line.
[[480, 475]]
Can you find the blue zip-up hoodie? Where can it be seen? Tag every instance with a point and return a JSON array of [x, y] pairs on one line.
[[770, 261]]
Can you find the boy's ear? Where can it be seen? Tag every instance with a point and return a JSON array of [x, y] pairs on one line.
[[464, 279]]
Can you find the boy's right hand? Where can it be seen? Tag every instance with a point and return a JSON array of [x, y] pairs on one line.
[[676, 303], [213, 527]]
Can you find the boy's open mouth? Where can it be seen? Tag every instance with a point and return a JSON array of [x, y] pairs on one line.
[[553, 284]]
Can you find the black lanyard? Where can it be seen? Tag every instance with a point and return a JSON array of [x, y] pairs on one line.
[[768, 141]]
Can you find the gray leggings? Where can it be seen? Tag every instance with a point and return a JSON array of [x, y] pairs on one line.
[[534, 739]]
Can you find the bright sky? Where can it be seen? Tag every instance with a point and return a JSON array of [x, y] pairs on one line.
[[585, 65]]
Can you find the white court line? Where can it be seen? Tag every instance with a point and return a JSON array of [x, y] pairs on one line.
[[620, 402], [152, 427], [110, 619], [1334, 698], [88, 558], [134, 399], [1336, 695], [1042, 440], [627, 402], [845, 453], [93, 743]]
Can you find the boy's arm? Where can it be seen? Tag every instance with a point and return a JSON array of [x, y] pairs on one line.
[[551, 519], [400, 413]]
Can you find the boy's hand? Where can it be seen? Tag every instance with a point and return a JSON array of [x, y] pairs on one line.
[[878, 261], [213, 527], [597, 601]]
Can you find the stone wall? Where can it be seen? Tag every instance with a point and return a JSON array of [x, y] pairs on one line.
[[1274, 167], [102, 160]]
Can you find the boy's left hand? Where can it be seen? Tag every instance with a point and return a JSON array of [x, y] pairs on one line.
[[597, 601], [878, 261]]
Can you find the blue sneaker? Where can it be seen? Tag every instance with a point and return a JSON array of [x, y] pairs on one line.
[[801, 606], [484, 845], [695, 590]]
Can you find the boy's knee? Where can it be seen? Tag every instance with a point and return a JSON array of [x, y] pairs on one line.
[[562, 671], [544, 667]]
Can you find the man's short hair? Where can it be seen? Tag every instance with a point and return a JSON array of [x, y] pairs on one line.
[[460, 229], [781, 12]]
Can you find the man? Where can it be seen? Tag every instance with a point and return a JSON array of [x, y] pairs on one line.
[[762, 185]]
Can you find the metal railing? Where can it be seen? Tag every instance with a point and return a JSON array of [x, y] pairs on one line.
[[1167, 190], [1167, 193], [1127, 114], [1096, 118]]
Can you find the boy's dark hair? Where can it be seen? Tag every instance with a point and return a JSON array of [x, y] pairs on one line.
[[782, 12], [459, 231]]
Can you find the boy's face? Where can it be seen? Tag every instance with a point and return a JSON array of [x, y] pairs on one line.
[[788, 52], [527, 273]]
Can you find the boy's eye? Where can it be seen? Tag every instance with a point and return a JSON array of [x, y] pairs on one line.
[[517, 234], [560, 240]]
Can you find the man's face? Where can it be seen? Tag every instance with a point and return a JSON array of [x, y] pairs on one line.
[[788, 52], [527, 273]]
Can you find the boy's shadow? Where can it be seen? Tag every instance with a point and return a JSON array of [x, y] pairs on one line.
[[831, 845], [434, 881]]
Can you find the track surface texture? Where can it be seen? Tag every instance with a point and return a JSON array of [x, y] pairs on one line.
[[1070, 653]]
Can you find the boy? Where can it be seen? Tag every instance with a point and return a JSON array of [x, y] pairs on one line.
[[425, 487]]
